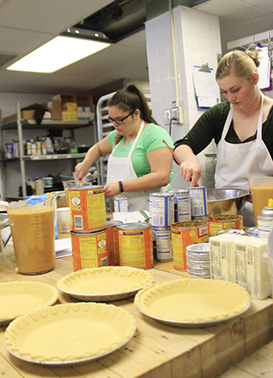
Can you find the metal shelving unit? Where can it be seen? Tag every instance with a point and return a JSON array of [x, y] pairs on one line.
[[20, 125], [104, 127]]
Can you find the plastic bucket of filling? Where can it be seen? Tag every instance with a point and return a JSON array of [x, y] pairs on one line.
[[184, 234], [89, 249], [135, 247]]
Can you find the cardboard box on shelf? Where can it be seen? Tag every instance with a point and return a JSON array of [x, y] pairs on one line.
[[86, 109], [67, 99], [69, 116], [70, 107], [55, 109], [26, 113], [85, 113], [85, 100]]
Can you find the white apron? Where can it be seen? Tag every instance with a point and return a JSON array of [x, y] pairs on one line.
[[121, 169], [237, 162]]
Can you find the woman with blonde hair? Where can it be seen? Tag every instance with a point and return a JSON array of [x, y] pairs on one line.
[[242, 128]]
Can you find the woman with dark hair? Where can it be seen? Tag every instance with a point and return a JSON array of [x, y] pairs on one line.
[[242, 128], [139, 162]]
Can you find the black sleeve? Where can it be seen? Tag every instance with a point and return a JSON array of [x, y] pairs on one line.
[[267, 132], [209, 126]]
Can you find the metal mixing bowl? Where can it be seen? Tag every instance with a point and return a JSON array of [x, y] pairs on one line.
[[225, 201]]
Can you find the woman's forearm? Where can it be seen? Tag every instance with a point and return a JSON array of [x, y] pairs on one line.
[[150, 181], [183, 152], [92, 155]]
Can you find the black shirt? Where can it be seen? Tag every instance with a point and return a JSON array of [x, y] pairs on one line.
[[210, 126]]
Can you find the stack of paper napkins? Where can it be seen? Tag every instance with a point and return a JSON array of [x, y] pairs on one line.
[[243, 260]]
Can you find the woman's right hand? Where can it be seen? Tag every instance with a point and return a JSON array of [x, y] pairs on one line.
[[190, 170], [81, 170]]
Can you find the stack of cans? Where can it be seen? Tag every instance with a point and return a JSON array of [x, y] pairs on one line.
[[161, 206], [198, 260], [182, 205], [88, 225]]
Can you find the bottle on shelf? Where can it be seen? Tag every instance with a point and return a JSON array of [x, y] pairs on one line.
[[38, 146], [33, 147], [43, 146], [73, 147], [56, 146], [49, 145]]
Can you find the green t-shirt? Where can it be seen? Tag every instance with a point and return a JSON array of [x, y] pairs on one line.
[[150, 139]]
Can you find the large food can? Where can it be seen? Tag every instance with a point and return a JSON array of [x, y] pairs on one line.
[[217, 223], [162, 244], [182, 205], [89, 249], [184, 234], [121, 204], [135, 247], [199, 202], [87, 207], [112, 243], [161, 206]]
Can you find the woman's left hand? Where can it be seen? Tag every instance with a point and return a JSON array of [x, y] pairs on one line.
[[112, 189]]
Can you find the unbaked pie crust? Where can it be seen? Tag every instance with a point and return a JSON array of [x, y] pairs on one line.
[[193, 301], [69, 333], [20, 298], [106, 283]]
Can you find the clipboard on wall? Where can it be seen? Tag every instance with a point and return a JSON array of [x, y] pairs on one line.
[[206, 89]]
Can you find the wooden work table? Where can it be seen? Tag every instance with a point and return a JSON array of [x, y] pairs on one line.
[[156, 350]]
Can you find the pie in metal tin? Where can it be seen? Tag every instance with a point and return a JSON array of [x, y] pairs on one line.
[[70, 333], [193, 302], [105, 283], [19, 298]]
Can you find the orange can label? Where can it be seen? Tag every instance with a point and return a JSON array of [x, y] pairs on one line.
[[112, 242], [135, 247], [87, 208], [89, 249], [184, 236], [223, 224]]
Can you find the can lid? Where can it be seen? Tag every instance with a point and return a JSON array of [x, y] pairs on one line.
[[165, 194], [133, 226], [112, 223]]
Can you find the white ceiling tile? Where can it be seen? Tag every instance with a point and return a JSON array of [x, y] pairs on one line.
[[21, 41], [264, 4]]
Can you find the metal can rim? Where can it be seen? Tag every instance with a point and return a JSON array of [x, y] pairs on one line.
[[90, 232], [134, 226]]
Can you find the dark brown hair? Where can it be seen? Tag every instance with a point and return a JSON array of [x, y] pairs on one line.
[[129, 99]]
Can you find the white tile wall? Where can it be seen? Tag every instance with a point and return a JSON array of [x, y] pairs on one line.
[[197, 41]]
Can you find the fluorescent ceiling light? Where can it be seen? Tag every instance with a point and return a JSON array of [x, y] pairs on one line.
[[56, 54]]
